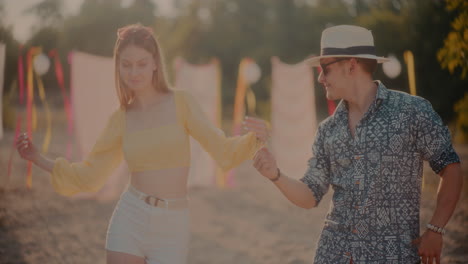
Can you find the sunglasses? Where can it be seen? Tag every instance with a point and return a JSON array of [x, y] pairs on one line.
[[135, 32], [324, 66]]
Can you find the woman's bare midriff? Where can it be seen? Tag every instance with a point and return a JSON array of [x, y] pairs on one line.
[[164, 184]]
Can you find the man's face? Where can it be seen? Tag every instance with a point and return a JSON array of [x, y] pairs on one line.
[[332, 77]]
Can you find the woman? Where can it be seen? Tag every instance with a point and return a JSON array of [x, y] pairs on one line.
[[151, 131]]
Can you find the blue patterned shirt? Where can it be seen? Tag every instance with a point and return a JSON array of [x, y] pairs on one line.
[[376, 177]]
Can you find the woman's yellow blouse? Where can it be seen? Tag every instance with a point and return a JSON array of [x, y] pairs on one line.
[[152, 149]]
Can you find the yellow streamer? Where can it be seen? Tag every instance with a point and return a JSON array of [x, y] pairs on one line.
[[239, 99], [31, 109], [251, 102], [32, 126], [409, 60], [42, 95]]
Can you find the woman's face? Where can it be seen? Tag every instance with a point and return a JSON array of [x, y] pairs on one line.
[[136, 67]]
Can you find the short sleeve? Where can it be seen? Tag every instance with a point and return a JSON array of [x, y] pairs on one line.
[[317, 176], [433, 139]]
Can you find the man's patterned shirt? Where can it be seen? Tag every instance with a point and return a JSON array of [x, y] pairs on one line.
[[376, 177]]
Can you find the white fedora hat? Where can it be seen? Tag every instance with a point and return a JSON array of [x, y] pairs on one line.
[[346, 41]]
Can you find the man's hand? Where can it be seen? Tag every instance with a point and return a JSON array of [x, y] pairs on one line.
[[265, 163], [430, 247]]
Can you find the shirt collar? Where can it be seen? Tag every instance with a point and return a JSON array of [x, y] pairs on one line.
[[382, 94]]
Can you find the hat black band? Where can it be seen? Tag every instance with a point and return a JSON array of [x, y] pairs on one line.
[[349, 51]]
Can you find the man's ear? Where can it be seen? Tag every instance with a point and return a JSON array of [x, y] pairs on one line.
[[352, 65]]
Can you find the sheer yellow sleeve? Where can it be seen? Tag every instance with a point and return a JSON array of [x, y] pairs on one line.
[[228, 152], [91, 174]]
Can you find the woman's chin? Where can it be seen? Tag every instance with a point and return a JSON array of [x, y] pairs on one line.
[[137, 88]]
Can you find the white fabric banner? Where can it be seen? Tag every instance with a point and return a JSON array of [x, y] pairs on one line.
[[293, 116], [94, 99], [2, 74], [203, 83]]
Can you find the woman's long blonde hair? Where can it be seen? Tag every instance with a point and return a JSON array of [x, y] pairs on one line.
[[143, 37]]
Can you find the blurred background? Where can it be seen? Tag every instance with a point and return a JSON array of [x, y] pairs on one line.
[[199, 30], [426, 39]]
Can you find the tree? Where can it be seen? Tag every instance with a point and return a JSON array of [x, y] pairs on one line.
[[94, 28], [48, 12], [454, 53]]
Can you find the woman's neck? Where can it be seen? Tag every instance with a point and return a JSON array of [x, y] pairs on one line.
[[148, 98]]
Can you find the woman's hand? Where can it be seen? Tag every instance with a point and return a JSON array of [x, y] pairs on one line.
[[265, 164], [258, 126], [26, 148]]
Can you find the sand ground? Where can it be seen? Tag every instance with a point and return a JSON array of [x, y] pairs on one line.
[[249, 223]]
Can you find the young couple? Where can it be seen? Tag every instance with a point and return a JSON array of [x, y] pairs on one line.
[[370, 151]]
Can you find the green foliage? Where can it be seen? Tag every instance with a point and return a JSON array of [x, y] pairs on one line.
[[454, 53], [94, 28], [48, 12]]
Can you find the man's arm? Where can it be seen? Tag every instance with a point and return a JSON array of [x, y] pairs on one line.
[[294, 190], [449, 192]]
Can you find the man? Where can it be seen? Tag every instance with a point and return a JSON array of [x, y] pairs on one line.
[[371, 152]]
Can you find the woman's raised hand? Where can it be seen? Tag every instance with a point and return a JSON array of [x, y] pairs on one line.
[[258, 126], [26, 148]]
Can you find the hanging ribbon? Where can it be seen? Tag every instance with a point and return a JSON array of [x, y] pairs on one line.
[[42, 96], [31, 111], [31, 120], [66, 101], [239, 100]]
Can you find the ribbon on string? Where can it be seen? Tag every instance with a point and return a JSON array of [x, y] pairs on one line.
[[31, 111], [30, 108], [239, 100], [42, 95]]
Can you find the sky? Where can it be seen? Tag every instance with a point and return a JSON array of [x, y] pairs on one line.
[[22, 23]]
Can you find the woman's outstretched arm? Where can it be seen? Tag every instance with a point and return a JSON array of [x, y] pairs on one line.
[[28, 151]]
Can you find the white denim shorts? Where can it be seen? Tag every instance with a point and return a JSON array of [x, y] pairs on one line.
[[159, 235]]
